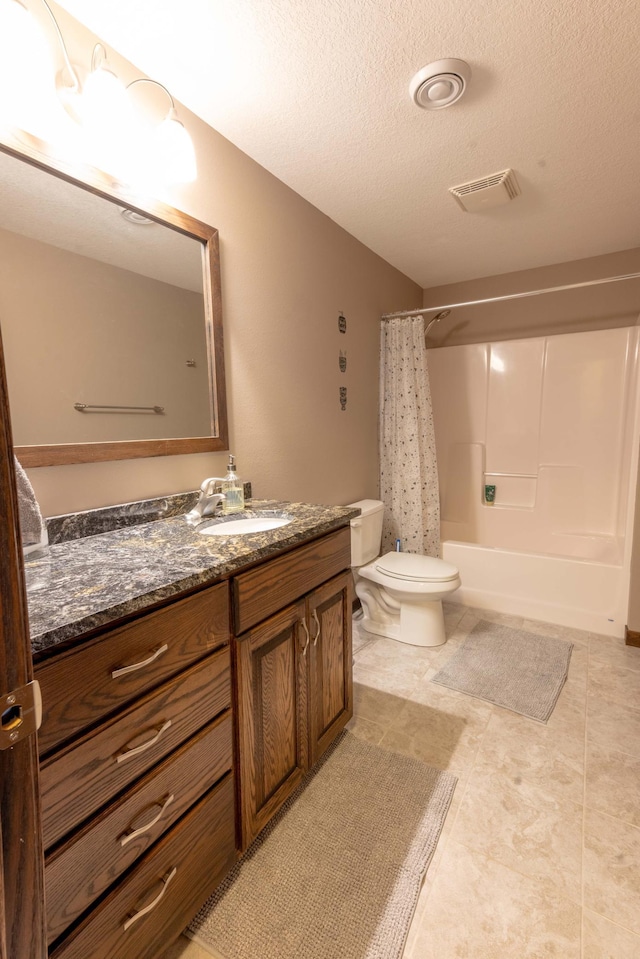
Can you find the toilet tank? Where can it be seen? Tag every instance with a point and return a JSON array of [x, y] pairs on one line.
[[366, 531]]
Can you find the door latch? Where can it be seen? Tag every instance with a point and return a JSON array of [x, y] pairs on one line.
[[20, 714]]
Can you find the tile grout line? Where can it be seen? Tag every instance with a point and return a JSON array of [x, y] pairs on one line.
[[465, 784], [463, 794], [512, 868], [614, 665], [623, 822], [619, 702], [580, 904], [498, 862], [607, 815], [618, 925]]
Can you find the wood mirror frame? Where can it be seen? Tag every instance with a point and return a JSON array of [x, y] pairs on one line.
[[103, 186]]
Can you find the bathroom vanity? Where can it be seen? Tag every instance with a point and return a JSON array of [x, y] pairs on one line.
[[293, 669], [178, 717]]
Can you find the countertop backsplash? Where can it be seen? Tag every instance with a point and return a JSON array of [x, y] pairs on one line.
[[108, 570], [91, 522]]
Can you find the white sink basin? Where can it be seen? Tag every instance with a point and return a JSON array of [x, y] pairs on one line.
[[248, 524]]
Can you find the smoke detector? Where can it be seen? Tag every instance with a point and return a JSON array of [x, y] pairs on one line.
[[440, 84], [479, 195]]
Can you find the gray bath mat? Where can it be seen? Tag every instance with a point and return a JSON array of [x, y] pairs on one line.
[[509, 667], [337, 873]]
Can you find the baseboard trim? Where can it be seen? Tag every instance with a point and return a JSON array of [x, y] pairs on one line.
[[631, 637]]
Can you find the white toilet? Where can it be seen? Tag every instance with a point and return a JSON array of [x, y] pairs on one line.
[[401, 593]]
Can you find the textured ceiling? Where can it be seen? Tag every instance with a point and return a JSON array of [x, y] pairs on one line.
[[317, 92], [45, 208]]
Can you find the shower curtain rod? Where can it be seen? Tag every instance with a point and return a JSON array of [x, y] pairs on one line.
[[511, 296]]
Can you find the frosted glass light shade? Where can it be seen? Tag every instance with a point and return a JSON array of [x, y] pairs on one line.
[[174, 154], [104, 100], [107, 120], [26, 71]]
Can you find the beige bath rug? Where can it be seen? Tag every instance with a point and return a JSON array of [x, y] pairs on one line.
[[509, 667], [337, 873]]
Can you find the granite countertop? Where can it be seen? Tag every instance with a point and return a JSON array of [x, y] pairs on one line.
[[78, 585]]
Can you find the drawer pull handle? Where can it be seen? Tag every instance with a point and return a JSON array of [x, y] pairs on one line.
[[317, 622], [124, 670], [128, 836], [152, 905], [306, 632], [136, 750]]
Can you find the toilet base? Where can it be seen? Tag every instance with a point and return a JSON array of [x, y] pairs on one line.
[[417, 624]]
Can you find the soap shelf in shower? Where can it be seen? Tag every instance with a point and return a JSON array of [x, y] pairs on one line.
[[513, 490]]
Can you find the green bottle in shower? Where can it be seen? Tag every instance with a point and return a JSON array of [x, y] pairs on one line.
[[489, 495]]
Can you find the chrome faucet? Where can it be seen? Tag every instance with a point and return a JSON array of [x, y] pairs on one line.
[[208, 501]]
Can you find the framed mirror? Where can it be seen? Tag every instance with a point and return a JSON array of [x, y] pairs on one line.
[[111, 320]]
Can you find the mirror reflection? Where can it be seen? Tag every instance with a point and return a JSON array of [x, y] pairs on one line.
[[104, 319]]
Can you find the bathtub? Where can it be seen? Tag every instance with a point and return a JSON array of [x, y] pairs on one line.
[[589, 594]]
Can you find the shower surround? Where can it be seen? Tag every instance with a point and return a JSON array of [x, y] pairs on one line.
[[552, 423]]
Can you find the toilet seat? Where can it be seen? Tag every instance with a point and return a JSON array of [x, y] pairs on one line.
[[401, 593], [415, 568]]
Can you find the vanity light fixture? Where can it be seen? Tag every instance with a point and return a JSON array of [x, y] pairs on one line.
[[104, 98], [171, 146], [96, 100], [26, 68]]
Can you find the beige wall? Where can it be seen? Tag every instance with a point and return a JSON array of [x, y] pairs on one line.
[[132, 337], [591, 308], [287, 272]]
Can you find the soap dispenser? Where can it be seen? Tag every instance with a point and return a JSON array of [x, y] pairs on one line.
[[233, 489]]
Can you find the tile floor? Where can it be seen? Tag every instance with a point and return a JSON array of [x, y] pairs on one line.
[[540, 852]]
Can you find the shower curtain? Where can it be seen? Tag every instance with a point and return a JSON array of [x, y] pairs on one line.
[[408, 470]]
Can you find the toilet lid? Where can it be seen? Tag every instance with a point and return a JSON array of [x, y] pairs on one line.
[[417, 568]]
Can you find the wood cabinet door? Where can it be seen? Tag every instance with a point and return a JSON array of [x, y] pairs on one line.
[[271, 677], [21, 859], [330, 697]]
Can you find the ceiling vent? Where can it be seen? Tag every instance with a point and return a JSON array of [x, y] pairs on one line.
[[479, 195], [440, 83]]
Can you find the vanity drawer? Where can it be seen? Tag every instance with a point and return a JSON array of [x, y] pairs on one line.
[[80, 778], [79, 687], [177, 875], [81, 870], [267, 589]]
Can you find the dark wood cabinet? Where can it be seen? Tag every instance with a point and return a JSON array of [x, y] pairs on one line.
[[330, 694], [136, 758], [101, 852], [144, 913], [151, 781], [271, 670], [294, 689], [122, 663]]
